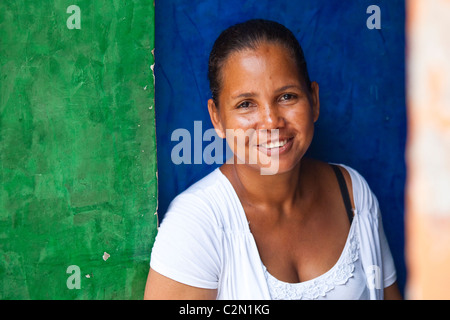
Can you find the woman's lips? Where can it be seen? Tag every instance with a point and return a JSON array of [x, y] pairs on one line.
[[276, 147]]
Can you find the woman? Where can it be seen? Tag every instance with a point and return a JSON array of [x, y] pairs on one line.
[[295, 233]]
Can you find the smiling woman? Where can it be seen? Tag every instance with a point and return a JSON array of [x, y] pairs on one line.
[[262, 91], [296, 233]]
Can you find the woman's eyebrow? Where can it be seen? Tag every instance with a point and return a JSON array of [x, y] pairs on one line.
[[289, 86], [244, 95], [247, 95]]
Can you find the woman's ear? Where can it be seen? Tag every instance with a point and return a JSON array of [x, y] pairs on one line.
[[215, 118], [315, 100]]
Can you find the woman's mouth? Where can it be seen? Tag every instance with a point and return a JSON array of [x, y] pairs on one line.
[[278, 146]]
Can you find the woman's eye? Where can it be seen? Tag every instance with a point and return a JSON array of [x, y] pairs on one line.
[[244, 104], [287, 97]]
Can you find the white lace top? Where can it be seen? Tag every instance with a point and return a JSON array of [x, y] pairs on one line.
[[205, 241], [345, 280]]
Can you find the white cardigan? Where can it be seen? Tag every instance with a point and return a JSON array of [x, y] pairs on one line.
[[205, 241]]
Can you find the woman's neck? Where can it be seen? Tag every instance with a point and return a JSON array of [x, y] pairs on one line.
[[279, 191]]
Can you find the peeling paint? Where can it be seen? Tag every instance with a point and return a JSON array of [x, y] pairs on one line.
[[106, 256], [153, 72]]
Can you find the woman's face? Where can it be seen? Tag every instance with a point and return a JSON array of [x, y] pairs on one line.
[[265, 111]]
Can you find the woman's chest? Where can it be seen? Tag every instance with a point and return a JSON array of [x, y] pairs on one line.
[[295, 250]]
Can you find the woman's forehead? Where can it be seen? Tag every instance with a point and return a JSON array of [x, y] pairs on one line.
[[269, 61]]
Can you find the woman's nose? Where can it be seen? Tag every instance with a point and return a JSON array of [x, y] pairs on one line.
[[271, 117]]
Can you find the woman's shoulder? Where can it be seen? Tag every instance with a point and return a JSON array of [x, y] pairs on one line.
[[360, 185], [366, 202], [363, 197], [204, 190], [209, 199]]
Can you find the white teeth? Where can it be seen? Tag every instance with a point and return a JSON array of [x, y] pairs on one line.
[[277, 144]]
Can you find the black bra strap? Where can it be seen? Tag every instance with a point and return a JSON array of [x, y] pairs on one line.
[[344, 191]]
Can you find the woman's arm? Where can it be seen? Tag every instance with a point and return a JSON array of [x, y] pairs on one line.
[[392, 292], [159, 287]]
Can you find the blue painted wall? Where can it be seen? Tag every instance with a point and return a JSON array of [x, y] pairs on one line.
[[361, 74]]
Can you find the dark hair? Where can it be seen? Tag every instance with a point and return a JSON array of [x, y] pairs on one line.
[[249, 35]]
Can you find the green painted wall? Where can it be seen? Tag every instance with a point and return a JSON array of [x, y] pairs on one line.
[[77, 149]]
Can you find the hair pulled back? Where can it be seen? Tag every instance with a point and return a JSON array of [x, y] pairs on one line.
[[250, 35]]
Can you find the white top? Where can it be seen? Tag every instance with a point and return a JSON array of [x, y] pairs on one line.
[[205, 241], [347, 273]]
